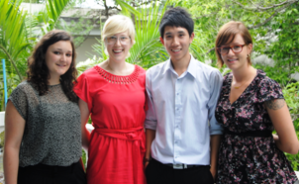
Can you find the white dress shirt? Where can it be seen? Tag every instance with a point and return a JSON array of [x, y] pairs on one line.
[[182, 111]]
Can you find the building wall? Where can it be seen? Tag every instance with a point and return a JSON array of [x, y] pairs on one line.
[[85, 50]]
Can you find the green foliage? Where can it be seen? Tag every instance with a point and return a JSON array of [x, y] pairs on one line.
[[80, 29], [48, 19], [148, 50], [83, 157], [266, 20], [285, 51], [126, 8], [82, 66], [17, 40], [13, 40]]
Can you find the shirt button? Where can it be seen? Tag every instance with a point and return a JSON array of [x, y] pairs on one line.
[[177, 94]]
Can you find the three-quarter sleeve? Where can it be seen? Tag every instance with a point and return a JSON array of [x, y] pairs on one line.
[[19, 99], [82, 90], [268, 90]]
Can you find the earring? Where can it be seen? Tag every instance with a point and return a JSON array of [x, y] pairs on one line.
[[248, 55]]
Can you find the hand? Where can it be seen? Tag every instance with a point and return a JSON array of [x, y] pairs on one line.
[[146, 164], [213, 173]]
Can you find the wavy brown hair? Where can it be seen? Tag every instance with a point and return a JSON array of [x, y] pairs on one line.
[[227, 34], [38, 72]]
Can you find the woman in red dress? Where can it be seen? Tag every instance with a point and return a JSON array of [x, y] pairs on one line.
[[113, 93]]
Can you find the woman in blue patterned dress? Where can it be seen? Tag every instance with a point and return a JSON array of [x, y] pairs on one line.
[[251, 106]]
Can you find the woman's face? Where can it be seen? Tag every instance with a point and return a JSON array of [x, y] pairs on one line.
[[234, 54], [118, 46], [59, 58]]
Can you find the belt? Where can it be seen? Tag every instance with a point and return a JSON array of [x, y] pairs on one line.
[[180, 165], [258, 133], [137, 135]]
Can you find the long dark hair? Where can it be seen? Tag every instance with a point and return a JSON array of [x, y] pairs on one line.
[[38, 72]]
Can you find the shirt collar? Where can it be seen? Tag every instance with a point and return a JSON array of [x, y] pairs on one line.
[[191, 68]]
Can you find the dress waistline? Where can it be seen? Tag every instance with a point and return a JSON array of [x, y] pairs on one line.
[[131, 134], [259, 133]]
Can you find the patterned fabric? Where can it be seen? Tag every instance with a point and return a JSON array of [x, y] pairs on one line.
[[52, 133], [249, 159]]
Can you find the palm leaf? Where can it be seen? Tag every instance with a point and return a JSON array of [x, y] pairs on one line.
[[48, 18], [12, 35], [148, 50], [126, 8]]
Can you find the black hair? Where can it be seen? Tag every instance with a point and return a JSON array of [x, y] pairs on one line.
[[178, 17]]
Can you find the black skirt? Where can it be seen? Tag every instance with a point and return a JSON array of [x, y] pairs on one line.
[[45, 174]]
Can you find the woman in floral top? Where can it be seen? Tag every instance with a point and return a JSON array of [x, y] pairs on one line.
[[251, 106]]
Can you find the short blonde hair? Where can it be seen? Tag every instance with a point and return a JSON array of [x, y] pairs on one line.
[[118, 24]]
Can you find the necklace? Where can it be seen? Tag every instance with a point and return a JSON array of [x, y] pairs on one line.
[[236, 87]]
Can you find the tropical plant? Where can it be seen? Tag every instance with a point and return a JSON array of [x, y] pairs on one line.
[[148, 50], [13, 39], [17, 40]]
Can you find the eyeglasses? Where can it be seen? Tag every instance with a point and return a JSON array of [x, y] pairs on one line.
[[224, 50], [113, 39]]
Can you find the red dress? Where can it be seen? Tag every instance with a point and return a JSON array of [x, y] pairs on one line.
[[117, 108]]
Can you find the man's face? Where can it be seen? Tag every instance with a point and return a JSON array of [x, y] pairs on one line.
[[177, 41]]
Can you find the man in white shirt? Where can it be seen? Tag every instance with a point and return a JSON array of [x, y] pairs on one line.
[[183, 135]]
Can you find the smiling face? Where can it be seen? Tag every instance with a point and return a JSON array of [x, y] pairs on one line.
[[118, 46], [177, 41], [59, 59], [233, 60]]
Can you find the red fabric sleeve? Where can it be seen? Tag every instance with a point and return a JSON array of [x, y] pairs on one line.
[[82, 90]]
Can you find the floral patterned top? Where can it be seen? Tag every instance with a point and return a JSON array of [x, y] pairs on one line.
[[246, 158]]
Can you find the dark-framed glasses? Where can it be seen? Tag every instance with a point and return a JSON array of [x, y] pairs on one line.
[[113, 39], [224, 50]]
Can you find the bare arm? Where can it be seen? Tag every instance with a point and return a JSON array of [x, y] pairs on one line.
[[85, 113], [150, 135], [214, 152], [287, 140], [14, 130]]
